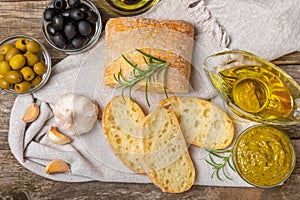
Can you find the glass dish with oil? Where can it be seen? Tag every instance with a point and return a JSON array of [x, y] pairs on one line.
[[254, 88], [127, 7]]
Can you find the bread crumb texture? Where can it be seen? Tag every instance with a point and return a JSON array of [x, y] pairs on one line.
[[165, 155], [202, 123], [121, 124]]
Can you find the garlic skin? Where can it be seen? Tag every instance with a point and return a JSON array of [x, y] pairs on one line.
[[75, 114]]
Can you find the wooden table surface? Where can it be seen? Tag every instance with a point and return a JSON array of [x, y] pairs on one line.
[[16, 182]]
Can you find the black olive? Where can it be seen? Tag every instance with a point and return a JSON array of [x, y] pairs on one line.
[[59, 4], [58, 22], [76, 14], [66, 13], [50, 29], [91, 34], [73, 3], [83, 7], [70, 31], [92, 17], [84, 27], [78, 41], [49, 13], [71, 24], [59, 41]]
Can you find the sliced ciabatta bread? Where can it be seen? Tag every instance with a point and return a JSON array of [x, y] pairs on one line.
[[121, 121], [165, 155], [202, 122]]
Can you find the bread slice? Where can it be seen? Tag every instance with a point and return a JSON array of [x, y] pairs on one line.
[[202, 123], [165, 155], [121, 122]]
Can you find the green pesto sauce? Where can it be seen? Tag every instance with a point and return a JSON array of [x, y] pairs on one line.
[[264, 156]]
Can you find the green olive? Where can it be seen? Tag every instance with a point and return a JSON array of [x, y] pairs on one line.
[[40, 68], [13, 76], [17, 61], [2, 57], [33, 47], [31, 58], [22, 87], [28, 73], [21, 44], [37, 80], [4, 84], [13, 51], [4, 67], [5, 48]]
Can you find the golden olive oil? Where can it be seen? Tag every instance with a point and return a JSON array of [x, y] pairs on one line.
[[257, 90], [130, 5]]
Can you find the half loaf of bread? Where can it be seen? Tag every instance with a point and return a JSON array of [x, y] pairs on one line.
[[169, 40], [121, 122], [202, 122], [165, 155]]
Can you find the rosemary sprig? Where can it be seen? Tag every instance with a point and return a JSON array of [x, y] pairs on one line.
[[154, 67], [220, 166]]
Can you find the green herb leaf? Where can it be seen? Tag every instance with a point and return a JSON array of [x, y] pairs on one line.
[[154, 67], [217, 166]]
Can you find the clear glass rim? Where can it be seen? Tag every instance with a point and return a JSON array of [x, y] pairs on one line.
[[45, 55], [92, 41], [293, 162], [106, 6]]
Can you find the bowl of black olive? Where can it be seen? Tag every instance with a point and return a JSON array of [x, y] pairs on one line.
[[71, 26]]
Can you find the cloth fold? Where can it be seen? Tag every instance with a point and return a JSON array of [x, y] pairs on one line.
[[217, 26]]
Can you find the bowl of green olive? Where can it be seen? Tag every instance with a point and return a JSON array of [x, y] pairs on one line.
[[25, 64]]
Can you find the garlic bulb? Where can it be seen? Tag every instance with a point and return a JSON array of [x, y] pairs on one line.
[[75, 114]]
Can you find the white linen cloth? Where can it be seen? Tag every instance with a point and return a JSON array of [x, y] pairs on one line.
[[264, 27]]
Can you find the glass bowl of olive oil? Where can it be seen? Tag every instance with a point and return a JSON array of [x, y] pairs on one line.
[[127, 7], [254, 88]]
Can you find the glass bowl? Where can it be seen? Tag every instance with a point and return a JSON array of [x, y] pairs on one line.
[[131, 8], [91, 40], [44, 55], [253, 88], [264, 156]]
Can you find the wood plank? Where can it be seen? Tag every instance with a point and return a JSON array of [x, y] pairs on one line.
[[289, 59], [16, 182]]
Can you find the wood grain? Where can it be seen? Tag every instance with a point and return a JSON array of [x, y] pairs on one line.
[[16, 182]]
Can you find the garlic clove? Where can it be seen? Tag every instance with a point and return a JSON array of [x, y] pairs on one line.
[[57, 137], [32, 113], [57, 166]]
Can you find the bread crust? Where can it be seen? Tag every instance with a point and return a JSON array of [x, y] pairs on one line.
[[170, 40], [123, 24], [124, 138]]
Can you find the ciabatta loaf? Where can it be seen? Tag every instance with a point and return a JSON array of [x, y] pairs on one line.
[[169, 40], [121, 124], [203, 123], [165, 155]]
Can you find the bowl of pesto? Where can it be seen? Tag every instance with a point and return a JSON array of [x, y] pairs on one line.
[[264, 156]]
